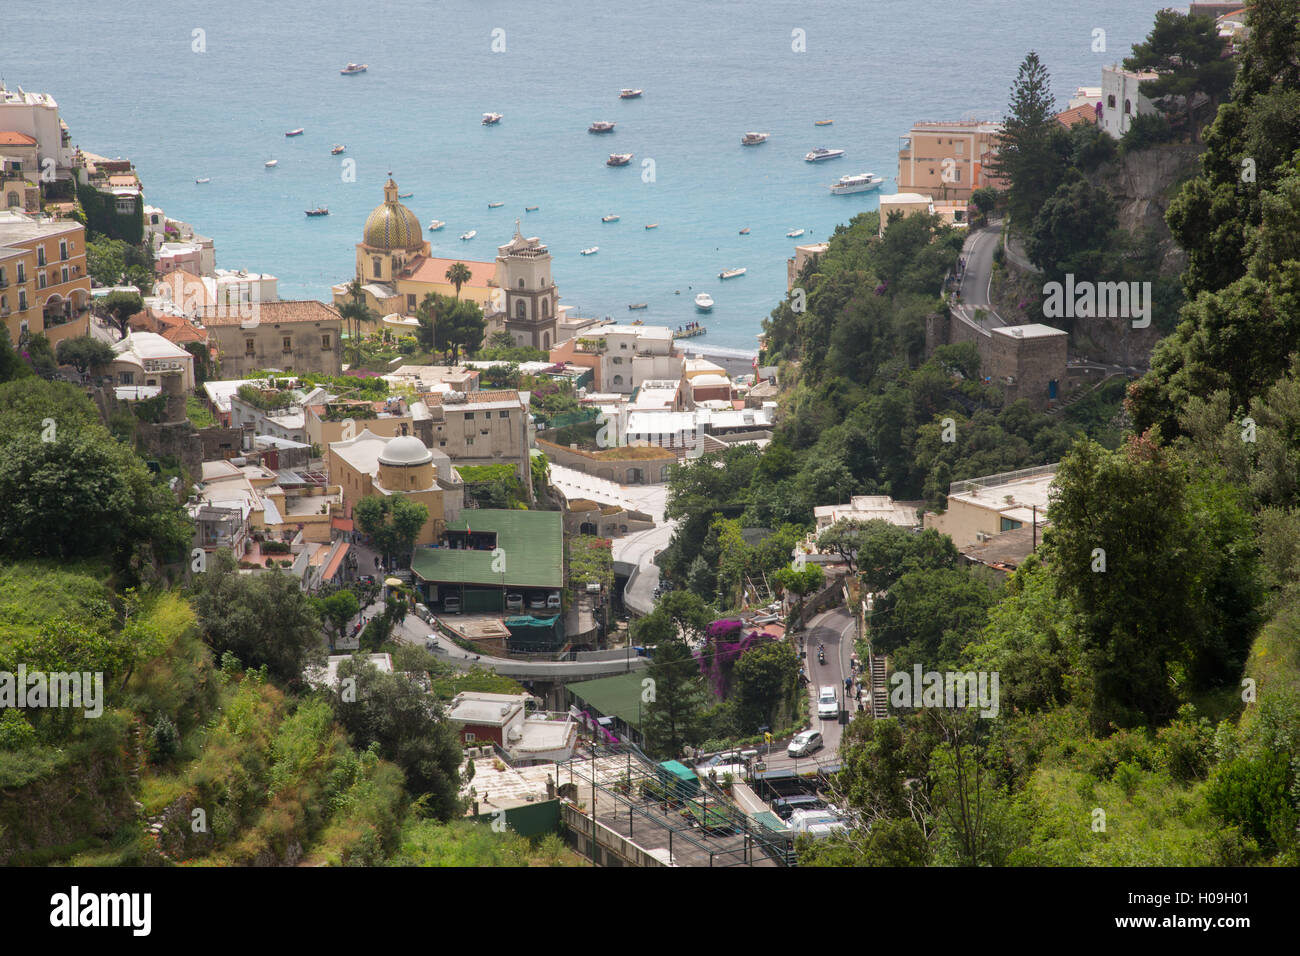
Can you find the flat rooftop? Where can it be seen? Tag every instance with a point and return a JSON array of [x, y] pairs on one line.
[[532, 541]]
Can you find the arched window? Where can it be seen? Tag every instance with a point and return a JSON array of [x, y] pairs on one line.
[[546, 308], [521, 282], [1110, 102], [378, 265], [618, 379], [520, 309], [546, 340], [12, 200], [1128, 107]]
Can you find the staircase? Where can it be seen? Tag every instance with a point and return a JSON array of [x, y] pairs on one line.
[[879, 693]]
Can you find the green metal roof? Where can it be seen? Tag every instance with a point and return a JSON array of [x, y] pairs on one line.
[[533, 542], [679, 770], [618, 696]]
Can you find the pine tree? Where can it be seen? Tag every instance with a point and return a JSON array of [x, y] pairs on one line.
[[1031, 145]]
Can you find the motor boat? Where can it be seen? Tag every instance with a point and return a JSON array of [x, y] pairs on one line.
[[336, 149], [530, 209], [609, 218], [353, 68], [601, 126], [590, 252], [862, 182], [469, 235], [730, 273], [270, 163], [491, 119], [405, 195], [822, 153], [824, 123], [295, 132], [495, 205], [640, 305], [436, 225], [629, 94], [753, 139], [745, 231], [795, 233], [652, 225], [205, 179], [618, 159], [319, 211], [704, 302]]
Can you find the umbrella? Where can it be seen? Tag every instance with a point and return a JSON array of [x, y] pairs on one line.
[[392, 582]]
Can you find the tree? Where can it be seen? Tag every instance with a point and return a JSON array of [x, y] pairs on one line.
[[462, 326], [458, 274], [984, 199], [106, 260], [1254, 793], [1030, 146], [928, 616], [393, 522], [11, 364], [263, 619], [765, 680], [337, 611], [1070, 233], [40, 355], [801, 582], [120, 306], [672, 718], [84, 353], [428, 315], [1187, 52]]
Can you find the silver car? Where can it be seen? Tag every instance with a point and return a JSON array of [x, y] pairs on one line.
[[805, 743]]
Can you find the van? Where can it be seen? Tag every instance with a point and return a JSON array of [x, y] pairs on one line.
[[451, 604], [828, 703], [514, 601], [553, 600]]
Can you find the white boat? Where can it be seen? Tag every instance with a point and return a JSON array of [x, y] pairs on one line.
[[601, 126], [618, 159], [295, 132], [271, 162], [436, 225], [205, 179], [860, 183], [609, 218], [470, 235], [352, 68], [530, 209], [629, 94], [704, 302], [652, 225], [795, 233], [590, 252], [822, 153], [491, 119], [753, 139], [730, 273], [495, 205], [336, 149]]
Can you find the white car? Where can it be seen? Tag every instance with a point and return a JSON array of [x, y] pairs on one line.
[[828, 703], [804, 744]]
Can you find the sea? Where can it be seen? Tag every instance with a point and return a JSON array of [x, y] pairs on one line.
[[190, 89]]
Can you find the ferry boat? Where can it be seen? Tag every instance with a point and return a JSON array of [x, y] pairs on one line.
[[469, 235], [295, 132], [336, 149], [495, 205], [609, 218], [629, 94], [824, 123], [436, 225], [205, 179], [601, 126], [860, 183], [590, 252], [795, 233], [730, 273], [271, 163], [618, 159], [530, 209], [753, 139], [353, 68], [639, 305], [491, 119], [319, 211], [704, 302], [822, 153], [745, 231], [691, 330], [652, 225]]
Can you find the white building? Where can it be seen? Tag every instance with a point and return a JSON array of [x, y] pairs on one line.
[[867, 508], [1121, 99], [634, 354], [37, 116], [141, 356]]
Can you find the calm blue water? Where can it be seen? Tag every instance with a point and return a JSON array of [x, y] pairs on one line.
[[129, 84]]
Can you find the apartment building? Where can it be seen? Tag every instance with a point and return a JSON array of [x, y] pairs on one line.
[[44, 286], [948, 160], [293, 336], [980, 508], [482, 428]]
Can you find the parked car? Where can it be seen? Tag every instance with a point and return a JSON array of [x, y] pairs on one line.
[[553, 600], [828, 703], [514, 601], [804, 744], [537, 602], [784, 806], [451, 604], [366, 579]]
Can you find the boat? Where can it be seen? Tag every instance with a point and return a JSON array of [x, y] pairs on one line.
[[319, 211], [405, 195], [494, 205], [652, 225], [590, 252], [491, 119], [609, 218], [753, 139], [824, 123], [530, 209], [601, 126], [295, 132], [704, 302], [640, 305], [795, 233], [436, 225], [470, 235], [205, 179], [629, 94], [822, 153], [336, 149], [691, 330], [271, 162], [730, 273], [353, 68], [618, 159], [860, 183], [745, 231]]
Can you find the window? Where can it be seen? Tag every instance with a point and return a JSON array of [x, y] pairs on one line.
[[124, 378], [469, 416], [248, 348], [325, 343], [4, 304], [1009, 524], [521, 282], [442, 444], [546, 308], [22, 300], [618, 379], [1128, 107], [377, 264], [64, 273], [40, 255], [1110, 102], [63, 249], [22, 272], [410, 302], [286, 344], [12, 200], [469, 441], [469, 738], [521, 310], [617, 360], [960, 147], [40, 280], [623, 345], [4, 280], [503, 414]]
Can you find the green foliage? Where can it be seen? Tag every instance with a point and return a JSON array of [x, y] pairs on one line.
[[1032, 143], [764, 685], [393, 522], [927, 617], [463, 843], [40, 355], [1254, 793], [84, 353], [674, 714], [1146, 130], [120, 306], [1188, 54]]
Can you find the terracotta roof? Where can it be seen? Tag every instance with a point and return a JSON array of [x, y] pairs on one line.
[[9, 137], [492, 395], [1080, 114], [341, 524], [270, 313], [181, 334], [423, 269]]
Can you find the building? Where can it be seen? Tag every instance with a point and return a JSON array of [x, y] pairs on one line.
[[435, 378], [505, 720], [904, 204], [337, 418], [904, 514], [294, 336], [1122, 99], [531, 303], [371, 464], [1083, 113], [802, 255], [19, 172], [44, 286], [142, 356], [1029, 361], [36, 116], [623, 356], [233, 493], [948, 160], [395, 269], [483, 428], [983, 507]]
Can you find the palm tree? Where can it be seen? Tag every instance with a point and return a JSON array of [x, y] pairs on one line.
[[458, 274], [354, 314]]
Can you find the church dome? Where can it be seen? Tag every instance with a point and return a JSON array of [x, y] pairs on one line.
[[405, 450], [391, 226]]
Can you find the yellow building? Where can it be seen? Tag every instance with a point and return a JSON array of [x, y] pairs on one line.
[[370, 464], [44, 286], [396, 270], [948, 160], [334, 421]]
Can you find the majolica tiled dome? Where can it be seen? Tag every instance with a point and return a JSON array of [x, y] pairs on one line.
[[391, 225]]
